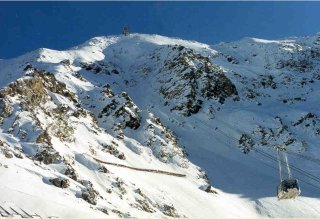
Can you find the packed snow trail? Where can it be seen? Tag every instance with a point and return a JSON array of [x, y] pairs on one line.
[[139, 169]]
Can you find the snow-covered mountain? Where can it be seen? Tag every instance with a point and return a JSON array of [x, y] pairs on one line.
[[150, 126]]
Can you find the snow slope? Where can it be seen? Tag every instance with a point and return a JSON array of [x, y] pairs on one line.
[[159, 103]]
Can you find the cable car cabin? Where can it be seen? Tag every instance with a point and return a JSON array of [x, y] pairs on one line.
[[288, 189]]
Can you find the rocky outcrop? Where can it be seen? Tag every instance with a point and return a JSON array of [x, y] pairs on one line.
[[143, 202], [44, 137], [188, 78], [169, 210], [113, 149], [302, 60], [310, 122], [245, 143], [71, 173], [164, 143], [5, 107], [101, 68], [90, 195], [125, 112], [47, 156], [61, 128], [32, 90], [8, 154], [308, 116], [60, 182]]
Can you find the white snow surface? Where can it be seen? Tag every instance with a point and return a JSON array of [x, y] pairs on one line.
[[245, 183]]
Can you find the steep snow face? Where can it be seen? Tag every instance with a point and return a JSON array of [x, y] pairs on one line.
[[138, 126]]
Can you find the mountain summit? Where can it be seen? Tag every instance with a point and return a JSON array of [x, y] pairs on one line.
[[150, 126]]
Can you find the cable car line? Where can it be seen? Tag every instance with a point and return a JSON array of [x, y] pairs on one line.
[[309, 175], [288, 188], [302, 156], [267, 164]]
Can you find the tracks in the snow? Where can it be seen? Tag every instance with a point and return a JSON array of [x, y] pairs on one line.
[[140, 169], [9, 211]]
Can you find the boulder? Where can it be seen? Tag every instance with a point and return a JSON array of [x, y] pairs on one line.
[[70, 172], [90, 196], [169, 210], [60, 182], [8, 154]]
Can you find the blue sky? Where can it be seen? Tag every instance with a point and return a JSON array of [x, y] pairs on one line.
[[26, 26]]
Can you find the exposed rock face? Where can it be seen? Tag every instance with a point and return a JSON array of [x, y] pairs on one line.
[[101, 68], [301, 62], [280, 134], [5, 107], [164, 143], [70, 172], [308, 116], [44, 137], [113, 149], [143, 202], [169, 210], [210, 189], [33, 90], [32, 93], [144, 205], [103, 169], [47, 156], [190, 78], [267, 81], [60, 182], [310, 122], [246, 143], [90, 195], [62, 128], [121, 107], [120, 185], [8, 154], [119, 113]]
